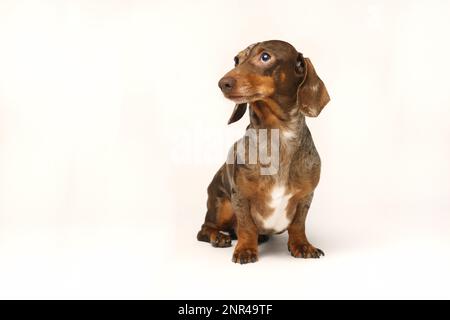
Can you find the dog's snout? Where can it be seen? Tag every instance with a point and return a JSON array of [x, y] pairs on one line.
[[226, 84]]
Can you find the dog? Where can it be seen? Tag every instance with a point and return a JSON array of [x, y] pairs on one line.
[[280, 87]]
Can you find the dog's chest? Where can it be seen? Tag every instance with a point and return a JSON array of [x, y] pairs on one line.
[[277, 217]]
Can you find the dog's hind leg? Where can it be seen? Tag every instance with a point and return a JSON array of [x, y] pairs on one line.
[[220, 219]]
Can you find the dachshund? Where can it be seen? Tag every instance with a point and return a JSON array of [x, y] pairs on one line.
[[279, 87]]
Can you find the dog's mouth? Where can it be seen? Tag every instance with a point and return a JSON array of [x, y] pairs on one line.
[[236, 98]]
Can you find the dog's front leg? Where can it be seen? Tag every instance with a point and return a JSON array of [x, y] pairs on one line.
[[246, 250], [298, 244]]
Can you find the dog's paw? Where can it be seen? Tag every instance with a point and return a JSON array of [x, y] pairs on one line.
[[217, 238], [304, 250], [220, 240], [245, 255]]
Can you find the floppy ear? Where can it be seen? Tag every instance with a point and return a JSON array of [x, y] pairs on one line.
[[238, 112], [312, 96]]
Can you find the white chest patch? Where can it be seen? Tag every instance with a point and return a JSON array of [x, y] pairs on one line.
[[288, 134], [278, 220]]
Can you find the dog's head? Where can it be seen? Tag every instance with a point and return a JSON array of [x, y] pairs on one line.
[[274, 70]]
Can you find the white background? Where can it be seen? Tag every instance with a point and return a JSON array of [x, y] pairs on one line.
[[112, 126]]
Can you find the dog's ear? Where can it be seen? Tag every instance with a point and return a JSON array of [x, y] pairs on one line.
[[312, 95], [238, 112]]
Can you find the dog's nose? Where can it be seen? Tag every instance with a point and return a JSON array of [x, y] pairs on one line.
[[226, 84]]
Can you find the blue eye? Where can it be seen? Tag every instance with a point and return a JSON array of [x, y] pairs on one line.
[[265, 57]]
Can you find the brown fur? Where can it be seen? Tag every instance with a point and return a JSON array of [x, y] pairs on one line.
[[280, 92]]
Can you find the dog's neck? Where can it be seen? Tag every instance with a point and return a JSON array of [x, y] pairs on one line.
[[290, 126], [268, 114], [289, 122]]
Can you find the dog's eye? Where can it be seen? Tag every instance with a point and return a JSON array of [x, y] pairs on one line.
[[236, 61], [265, 57]]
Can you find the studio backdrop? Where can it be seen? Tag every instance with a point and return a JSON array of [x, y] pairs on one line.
[[112, 126]]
